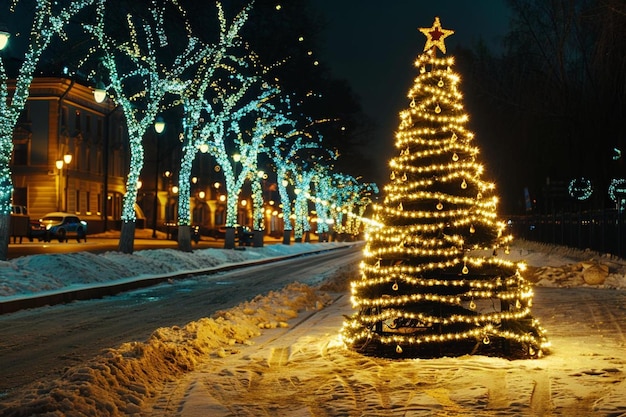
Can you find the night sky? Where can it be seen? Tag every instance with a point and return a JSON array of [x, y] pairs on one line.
[[373, 44]]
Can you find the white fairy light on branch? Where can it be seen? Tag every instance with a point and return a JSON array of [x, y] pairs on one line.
[[50, 18]]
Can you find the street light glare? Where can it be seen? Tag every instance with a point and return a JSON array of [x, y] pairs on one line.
[[4, 38], [159, 125]]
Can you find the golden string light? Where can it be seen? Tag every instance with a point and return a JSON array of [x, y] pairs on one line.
[[431, 273]]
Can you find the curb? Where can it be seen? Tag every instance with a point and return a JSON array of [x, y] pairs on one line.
[[68, 295]]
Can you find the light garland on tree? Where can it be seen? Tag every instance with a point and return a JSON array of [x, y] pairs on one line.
[[139, 80], [303, 178], [194, 102], [431, 281], [224, 127], [284, 152], [50, 18]]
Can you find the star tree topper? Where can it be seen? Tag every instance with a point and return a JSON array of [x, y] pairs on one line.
[[435, 36]]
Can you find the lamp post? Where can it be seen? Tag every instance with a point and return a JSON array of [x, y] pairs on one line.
[[159, 127], [67, 158], [100, 95], [167, 187], [59, 165]]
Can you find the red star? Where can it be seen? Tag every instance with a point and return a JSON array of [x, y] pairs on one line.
[[435, 36]]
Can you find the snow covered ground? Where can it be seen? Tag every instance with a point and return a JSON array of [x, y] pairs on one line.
[[279, 354]]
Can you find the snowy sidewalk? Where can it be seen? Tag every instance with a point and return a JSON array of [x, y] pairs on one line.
[[212, 389], [301, 371]]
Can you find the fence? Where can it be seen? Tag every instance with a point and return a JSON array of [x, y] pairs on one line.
[[601, 231]]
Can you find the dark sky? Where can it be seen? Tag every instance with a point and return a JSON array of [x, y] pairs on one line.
[[373, 43]]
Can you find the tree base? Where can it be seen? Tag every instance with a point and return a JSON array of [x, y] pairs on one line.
[[497, 347], [287, 237]]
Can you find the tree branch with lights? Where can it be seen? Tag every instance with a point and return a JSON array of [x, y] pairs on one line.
[[196, 109], [49, 20], [284, 152], [139, 79]]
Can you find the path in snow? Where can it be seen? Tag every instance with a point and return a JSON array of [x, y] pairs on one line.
[[301, 371]]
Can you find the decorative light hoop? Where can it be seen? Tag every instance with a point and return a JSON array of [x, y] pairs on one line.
[[617, 186], [580, 188]]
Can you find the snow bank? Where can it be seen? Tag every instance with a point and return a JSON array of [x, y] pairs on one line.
[[44, 273], [119, 381]]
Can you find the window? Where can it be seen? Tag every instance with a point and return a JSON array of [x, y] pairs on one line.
[[20, 153], [77, 120], [99, 130], [20, 196]]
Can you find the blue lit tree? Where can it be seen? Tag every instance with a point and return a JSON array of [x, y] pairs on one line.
[[284, 151], [357, 199], [303, 176], [242, 130], [258, 209], [49, 20], [342, 188], [141, 72], [196, 109], [309, 165], [322, 183]]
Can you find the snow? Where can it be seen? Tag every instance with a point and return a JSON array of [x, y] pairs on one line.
[[280, 353]]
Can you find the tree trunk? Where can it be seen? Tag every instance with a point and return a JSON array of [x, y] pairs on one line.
[[127, 237], [184, 238], [258, 239], [5, 227], [287, 237]]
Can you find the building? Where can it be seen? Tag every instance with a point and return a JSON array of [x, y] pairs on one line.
[[71, 154], [63, 121]]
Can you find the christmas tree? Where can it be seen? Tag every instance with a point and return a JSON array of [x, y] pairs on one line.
[[432, 283]]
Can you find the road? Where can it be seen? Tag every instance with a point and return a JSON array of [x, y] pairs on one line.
[[42, 343], [100, 245]]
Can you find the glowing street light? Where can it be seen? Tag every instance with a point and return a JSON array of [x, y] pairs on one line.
[[159, 125], [99, 93], [4, 38], [60, 163]]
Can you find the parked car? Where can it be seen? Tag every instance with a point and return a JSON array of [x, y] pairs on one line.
[[62, 226], [19, 223], [172, 232], [243, 234], [37, 230]]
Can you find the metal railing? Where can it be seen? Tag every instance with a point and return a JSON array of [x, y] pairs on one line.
[[602, 231]]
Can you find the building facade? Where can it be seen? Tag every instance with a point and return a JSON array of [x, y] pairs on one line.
[[70, 154]]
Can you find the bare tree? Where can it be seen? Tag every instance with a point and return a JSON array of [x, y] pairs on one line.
[[48, 20]]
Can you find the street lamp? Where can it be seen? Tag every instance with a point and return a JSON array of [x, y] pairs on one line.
[[67, 158], [59, 165], [99, 93], [4, 38], [159, 127]]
